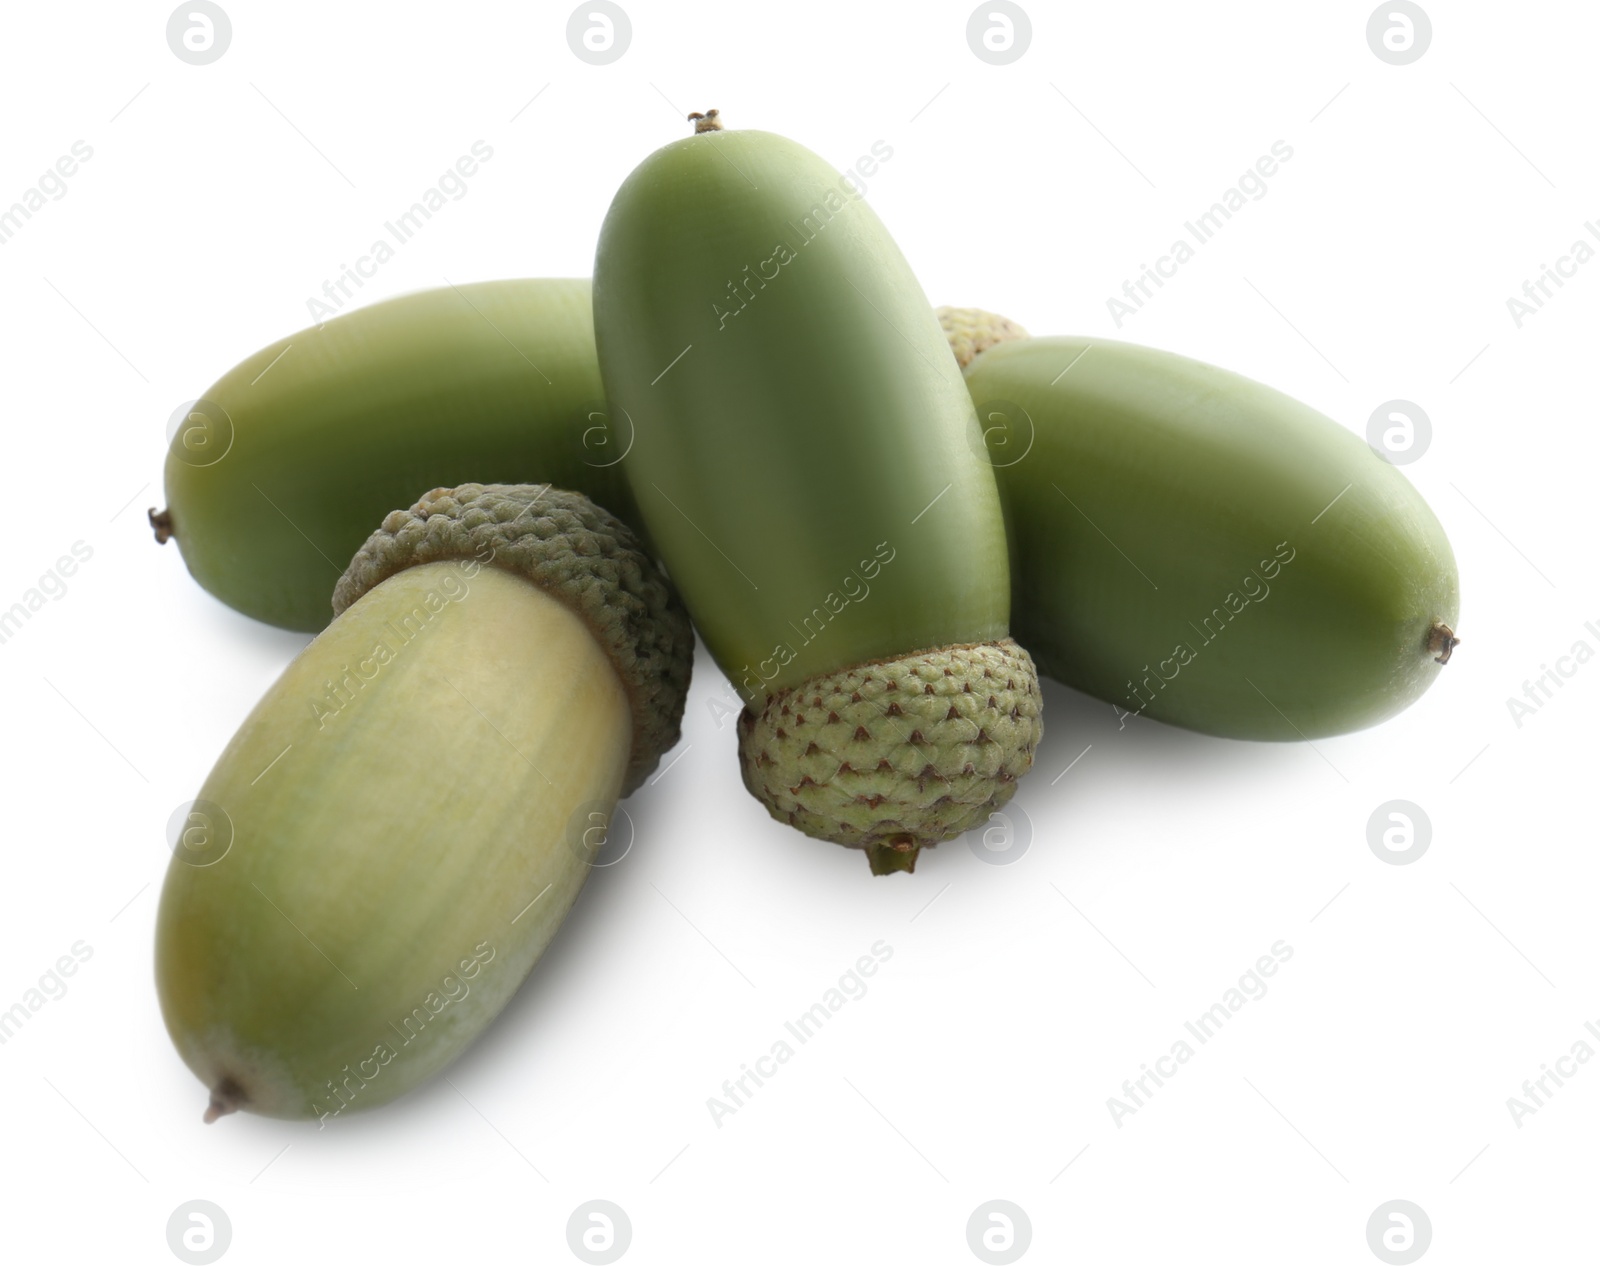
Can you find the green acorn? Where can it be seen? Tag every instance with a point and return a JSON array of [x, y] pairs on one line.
[[810, 470], [276, 475], [398, 828], [1197, 548]]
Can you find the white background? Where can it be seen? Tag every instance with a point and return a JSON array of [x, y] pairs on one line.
[[1018, 997]]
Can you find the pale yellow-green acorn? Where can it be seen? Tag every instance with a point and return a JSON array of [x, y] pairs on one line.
[[385, 848]]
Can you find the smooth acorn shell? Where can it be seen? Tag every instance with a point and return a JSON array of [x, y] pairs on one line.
[[389, 842], [283, 466], [797, 415], [1201, 549]]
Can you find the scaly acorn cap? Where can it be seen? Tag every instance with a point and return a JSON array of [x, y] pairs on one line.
[[581, 555], [899, 753], [972, 330]]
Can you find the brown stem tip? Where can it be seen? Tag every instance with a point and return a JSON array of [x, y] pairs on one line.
[[161, 523], [1441, 641], [707, 122]]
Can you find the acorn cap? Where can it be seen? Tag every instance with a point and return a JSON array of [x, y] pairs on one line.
[[972, 331], [581, 555], [899, 753]]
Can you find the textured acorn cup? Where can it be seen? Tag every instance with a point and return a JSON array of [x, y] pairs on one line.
[[893, 755], [578, 553], [972, 331]]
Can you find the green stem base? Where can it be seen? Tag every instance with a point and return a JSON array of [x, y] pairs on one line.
[[886, 857]]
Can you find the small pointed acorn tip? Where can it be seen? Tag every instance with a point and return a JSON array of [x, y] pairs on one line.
[[707, 122], [225, 1098], [161, 524]]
